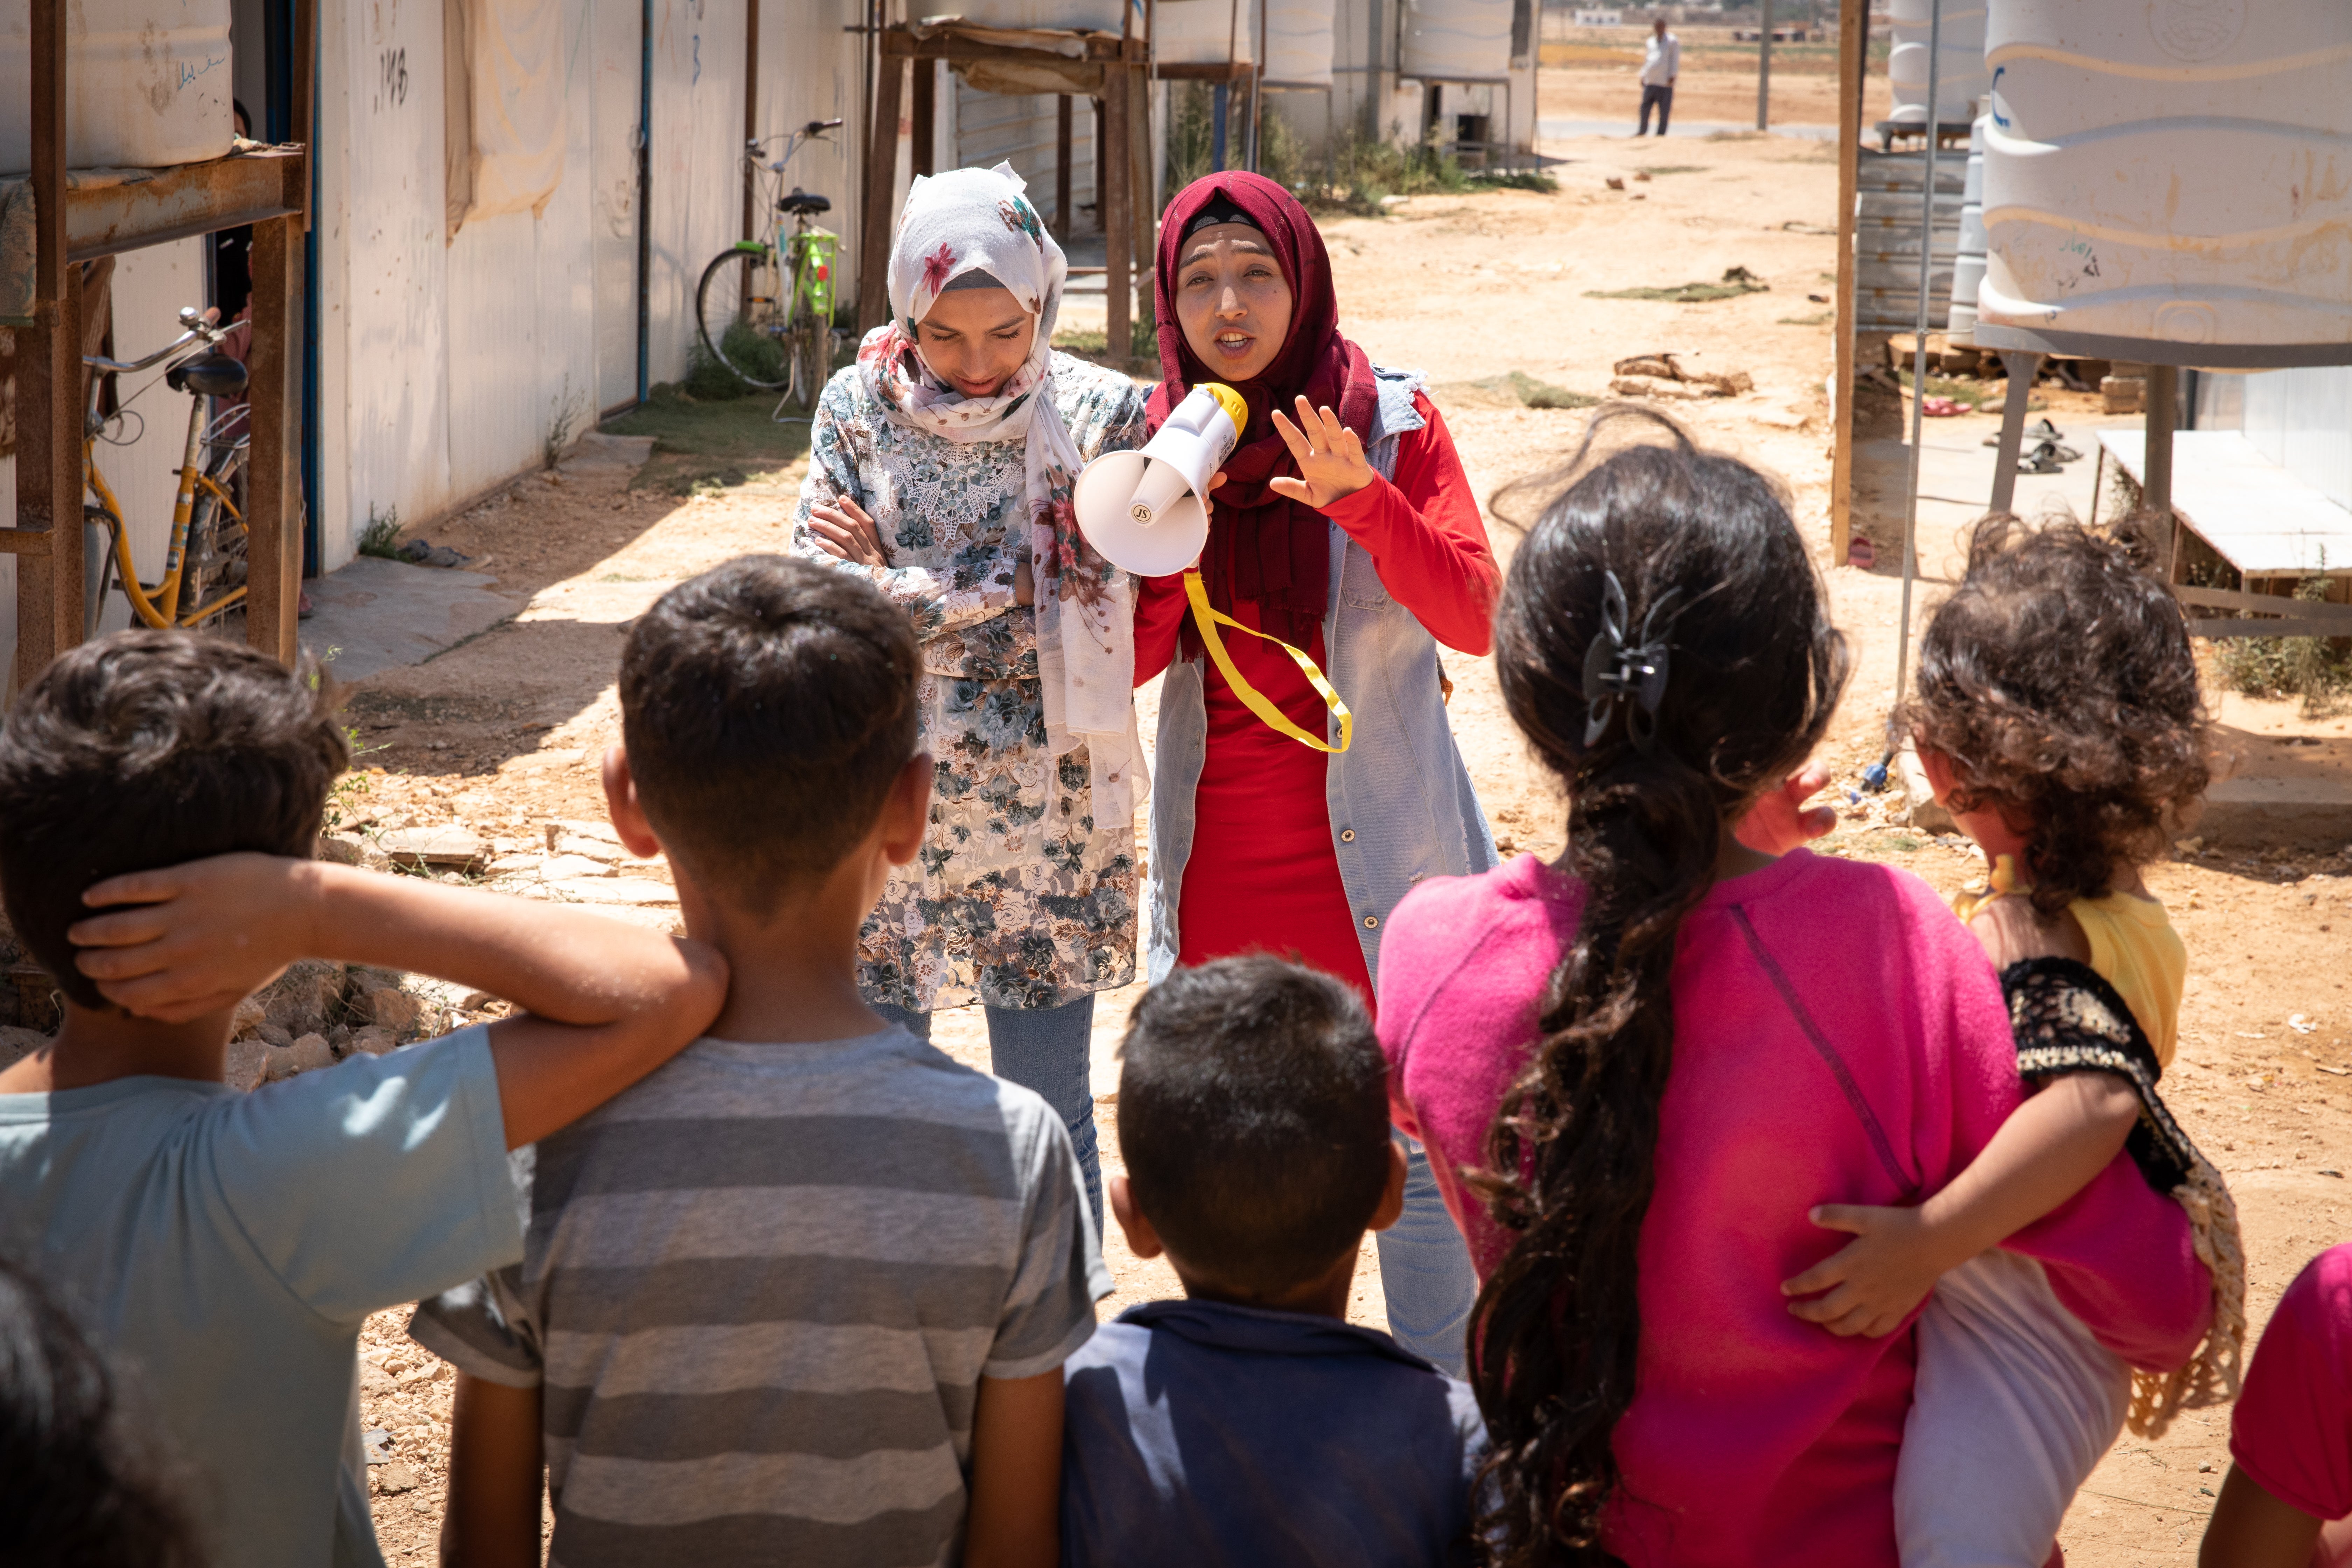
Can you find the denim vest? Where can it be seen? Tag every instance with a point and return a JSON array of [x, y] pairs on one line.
[[1401, 802]]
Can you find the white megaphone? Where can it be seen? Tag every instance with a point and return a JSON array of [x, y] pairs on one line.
[[1143, 509]]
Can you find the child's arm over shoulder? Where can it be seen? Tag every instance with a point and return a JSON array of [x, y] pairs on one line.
[[605, 1004], [2047, 1151]]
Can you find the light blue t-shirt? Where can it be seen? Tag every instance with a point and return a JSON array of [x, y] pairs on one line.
[[226, 1247]]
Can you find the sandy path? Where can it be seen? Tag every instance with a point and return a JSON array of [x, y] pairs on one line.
[[504, 731]]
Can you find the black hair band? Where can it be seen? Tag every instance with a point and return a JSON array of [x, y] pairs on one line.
[[1219, 210]]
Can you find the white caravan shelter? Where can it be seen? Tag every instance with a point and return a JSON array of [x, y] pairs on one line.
[[442, 361]]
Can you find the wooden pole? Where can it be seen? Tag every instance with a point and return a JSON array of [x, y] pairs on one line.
[[2156, 493], [751, 120], [274, 478], [1142, 205], [881, 182], [1118, 213], [48, 383], [1764, 67], [923, 117], [1854, 56], [1063, 118]]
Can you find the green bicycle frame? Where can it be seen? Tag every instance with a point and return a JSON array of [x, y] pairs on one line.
[[810, 254]]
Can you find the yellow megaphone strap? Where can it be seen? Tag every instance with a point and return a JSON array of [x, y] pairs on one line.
[[1207, 618]]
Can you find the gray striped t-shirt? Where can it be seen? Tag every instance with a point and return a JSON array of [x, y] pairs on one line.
[[760, 1290]]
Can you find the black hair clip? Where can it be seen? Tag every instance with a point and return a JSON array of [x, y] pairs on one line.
[[1615, 670]]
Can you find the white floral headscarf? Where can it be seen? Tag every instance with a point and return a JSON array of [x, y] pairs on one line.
[[979, 219]]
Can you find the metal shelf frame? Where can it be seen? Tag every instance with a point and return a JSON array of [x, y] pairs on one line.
[[270, 190]]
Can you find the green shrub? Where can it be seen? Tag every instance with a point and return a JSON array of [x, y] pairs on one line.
[[2317, 669]]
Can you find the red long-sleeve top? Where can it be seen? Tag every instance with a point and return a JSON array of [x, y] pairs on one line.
[[1264, 874]]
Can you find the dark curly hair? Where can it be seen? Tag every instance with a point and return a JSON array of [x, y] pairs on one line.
[[81, 1484], [1754, 673], [2059, 680]]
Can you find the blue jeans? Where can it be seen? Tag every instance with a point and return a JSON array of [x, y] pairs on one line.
[[1048, 1049], [1663, 97], [1425, 1272]]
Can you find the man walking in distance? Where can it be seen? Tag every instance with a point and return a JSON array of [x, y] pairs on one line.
[[1662, 61]]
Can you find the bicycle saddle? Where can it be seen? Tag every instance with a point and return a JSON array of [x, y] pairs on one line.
[[801, 201], [213, 375]]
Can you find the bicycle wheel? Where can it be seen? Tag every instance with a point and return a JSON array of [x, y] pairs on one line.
[[732, 323], [216, 560]]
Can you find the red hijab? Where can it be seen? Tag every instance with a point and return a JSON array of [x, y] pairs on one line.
[[1264, 547]]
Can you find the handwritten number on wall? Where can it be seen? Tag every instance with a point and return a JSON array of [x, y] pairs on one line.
[[391, 78]]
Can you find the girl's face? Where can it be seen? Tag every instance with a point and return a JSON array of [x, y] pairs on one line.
[[1231, 300], [974, 339]]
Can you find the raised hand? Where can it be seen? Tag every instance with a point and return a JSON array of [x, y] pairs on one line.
[[1330, 456], [1778, 821], [844, 532]]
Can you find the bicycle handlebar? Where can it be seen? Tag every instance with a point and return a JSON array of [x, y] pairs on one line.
[[201, 327]]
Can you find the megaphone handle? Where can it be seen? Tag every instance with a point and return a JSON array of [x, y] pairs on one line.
[[1208, 619]]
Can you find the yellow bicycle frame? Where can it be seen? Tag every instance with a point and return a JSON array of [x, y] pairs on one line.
[[158, 605]]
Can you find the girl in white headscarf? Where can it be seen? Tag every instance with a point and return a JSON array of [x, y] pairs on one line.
[[940, 467]]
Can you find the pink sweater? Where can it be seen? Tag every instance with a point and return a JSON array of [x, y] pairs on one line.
[[1839, 1037]]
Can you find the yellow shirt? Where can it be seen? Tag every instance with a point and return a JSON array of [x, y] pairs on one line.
[[2133, 948]]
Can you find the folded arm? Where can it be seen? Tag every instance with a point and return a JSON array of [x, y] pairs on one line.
[[835, 527]]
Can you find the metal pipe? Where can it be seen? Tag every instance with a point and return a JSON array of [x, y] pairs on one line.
[[1919, 348], [1257, 87], [645, 195]]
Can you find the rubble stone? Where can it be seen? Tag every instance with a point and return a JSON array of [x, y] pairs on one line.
[[343, 848], [248, 1064], [373, 1038], [394, 1009], [312, 1052]]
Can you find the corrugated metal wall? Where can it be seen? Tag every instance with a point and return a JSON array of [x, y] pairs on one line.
[[992, 127]]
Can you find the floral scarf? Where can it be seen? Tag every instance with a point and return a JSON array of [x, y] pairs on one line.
[[978, 218]]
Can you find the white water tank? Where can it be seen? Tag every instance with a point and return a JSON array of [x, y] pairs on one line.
[[1298, 42], [1075, 15], [1961, 78], [1201, 32], [146, 86], [1456, 40], [1968, 267], [2171, 172]]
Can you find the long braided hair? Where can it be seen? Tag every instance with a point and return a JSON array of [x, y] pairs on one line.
[[1664, 644]]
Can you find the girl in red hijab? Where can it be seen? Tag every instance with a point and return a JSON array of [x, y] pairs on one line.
[[1343, 525]]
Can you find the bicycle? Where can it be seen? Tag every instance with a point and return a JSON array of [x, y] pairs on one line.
[[206, 554], [764, 307]]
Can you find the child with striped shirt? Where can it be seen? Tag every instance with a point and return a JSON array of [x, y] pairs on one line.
[[804, 1295]]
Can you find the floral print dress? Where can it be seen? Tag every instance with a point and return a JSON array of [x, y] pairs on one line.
[[1020, 898]]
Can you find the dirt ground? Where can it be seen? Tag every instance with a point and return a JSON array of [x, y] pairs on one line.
[[1717, 85], [503, 733]]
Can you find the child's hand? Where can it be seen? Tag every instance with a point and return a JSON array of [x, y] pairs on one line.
[[1778, 821], [1872, 1283], [190, 940]]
